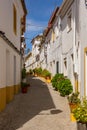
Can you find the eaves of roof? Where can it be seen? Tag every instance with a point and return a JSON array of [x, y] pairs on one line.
[[51, 20], [53, 16], [24, 6], [47, 30]]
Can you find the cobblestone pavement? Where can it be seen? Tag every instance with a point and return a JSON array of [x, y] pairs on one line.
[[41, 108]]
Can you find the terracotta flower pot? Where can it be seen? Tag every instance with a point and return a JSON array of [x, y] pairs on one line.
[[73, 106], [24, 90]]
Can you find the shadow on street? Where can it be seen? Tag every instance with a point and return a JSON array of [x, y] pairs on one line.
[[26, 106]]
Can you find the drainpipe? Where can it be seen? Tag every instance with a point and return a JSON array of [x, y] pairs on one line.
[[74, 36], [74, 46]]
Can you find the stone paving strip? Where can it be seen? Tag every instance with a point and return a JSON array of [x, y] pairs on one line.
[[42, 108]]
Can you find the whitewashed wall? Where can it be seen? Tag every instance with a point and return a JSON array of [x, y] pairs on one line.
[[6, 25]]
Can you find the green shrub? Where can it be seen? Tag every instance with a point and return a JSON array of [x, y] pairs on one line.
[[30, 71], [35, 70], [23, 84], [65, 87], [73, 98], [56, 79], [46, 73], [23, 73], [38, 71]]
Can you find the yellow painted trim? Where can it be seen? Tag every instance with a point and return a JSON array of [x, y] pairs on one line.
[[2, 98], [9, 93], [76, 85], [48, 81], [72, 117], [85, 50], [79, 84], [17, 88]]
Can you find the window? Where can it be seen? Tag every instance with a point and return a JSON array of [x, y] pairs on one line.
[[57, 67], [65, 67], [69, 17], [14, 20], [53, 36], [56, 31]]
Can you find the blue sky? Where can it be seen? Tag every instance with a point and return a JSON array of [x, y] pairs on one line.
[[39, 12]]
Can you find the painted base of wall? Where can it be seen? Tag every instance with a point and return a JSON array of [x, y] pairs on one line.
[[7, 95], [2, 98], [17, 88]]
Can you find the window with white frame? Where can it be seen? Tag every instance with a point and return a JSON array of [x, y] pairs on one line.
[[65, 67], [14, 20], [57, 67], [69, 21], [56, 31], [53, 36]]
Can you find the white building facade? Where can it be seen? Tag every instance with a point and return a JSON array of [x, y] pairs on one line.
[[36, 43], [28, 62], [82, 44], [43, 55], [66, 43], [12, 13], [74, 43], [54, 44], [68, 51], [67, 13]]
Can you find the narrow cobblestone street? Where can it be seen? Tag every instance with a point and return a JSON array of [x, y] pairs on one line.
[[41, 108]]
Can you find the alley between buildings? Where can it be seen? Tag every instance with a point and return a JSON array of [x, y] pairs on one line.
[[42, 108]]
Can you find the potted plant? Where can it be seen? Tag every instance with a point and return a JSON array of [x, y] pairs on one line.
[[24, 87], [30, 72], [73, 100], [80, 113], [47, 75], [24, 84], [23, 73], [35, 71]]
